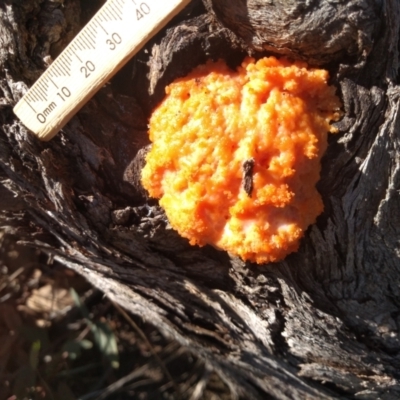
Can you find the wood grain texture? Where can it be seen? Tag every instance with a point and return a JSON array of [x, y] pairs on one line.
[[322, 324], [317, 31]]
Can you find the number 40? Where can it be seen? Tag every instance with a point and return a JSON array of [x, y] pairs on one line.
[[142, 10]]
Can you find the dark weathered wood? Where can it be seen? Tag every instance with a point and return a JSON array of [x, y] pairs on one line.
[[324, 323], [319, 32]]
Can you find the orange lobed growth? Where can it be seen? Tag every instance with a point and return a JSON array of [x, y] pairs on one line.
[[236, 154]]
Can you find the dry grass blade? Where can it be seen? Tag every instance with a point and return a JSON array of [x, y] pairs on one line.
[[150, 347], [201, 384], [119, 384], [12, 277]]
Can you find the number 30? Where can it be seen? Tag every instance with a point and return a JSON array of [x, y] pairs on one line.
[[115, 39]]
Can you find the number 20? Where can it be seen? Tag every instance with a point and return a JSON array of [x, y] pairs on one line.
[[88, 68]]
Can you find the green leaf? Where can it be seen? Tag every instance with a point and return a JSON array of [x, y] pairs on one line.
[[85, 344], [82, 308], [106, 342], [34, 354], [103, 335]]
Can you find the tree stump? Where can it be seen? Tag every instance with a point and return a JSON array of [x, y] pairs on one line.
[[322, 324]]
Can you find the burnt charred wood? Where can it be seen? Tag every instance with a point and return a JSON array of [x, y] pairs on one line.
[[322, 324]]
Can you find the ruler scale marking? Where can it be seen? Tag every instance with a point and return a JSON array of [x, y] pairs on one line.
[[112, 12], [65, 57], [42, 92], [85, 42], [34, 97], [57, 69], [78, 45], [31, 97], [114, 35], [55, 85], [30, 105], [37, 95], [62, 66], [68, 55], [108, 15], [121, 4], [74, 52], [118, 8], [92, 31], [88, 39], [53, 70], [101, 26], [66, 64], [65, 68], [75, 47], [79, 59]]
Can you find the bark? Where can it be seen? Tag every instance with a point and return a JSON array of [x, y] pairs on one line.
[[323, 323]]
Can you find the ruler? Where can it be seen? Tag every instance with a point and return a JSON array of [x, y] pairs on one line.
[[114, 35]]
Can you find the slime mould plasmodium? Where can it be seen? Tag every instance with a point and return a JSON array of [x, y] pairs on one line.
[[236, 154]]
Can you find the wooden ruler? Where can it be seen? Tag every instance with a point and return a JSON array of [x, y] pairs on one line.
[[118, 31]]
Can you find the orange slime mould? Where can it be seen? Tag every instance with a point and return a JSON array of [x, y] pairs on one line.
[[236, 154]]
